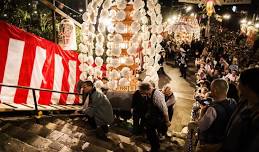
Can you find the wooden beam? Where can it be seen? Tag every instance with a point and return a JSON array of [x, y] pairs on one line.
[[54, 8]]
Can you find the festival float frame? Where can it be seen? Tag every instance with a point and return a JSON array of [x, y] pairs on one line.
[[124, 38]]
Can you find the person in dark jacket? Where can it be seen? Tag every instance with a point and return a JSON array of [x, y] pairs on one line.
[[138, 112], [242, 133], [213, 122], [156, 115], [97, 108]]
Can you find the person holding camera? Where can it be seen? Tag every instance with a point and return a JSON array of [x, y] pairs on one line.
[[214, 118]]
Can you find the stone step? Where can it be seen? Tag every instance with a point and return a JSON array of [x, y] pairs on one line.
[[60, 139], [10, 144], [27, 137], [114, 138]]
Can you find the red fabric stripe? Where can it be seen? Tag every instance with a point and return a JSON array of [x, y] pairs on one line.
[[48, 74], [25, 72], [4, 41], [65, 84]]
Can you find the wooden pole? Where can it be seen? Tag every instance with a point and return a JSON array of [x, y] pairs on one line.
[[57, 10]]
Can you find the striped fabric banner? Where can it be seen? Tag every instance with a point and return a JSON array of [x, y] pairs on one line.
[[28, 60]]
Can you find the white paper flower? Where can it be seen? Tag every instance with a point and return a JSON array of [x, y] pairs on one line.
[[121, 5], [110, 37], [153, 39], [83, 76], [92, 17], [147, 79], [108, 60], [112, 14], [112, 84], [136, 16], [118, 38], [109, 45], [132, 50], [146, 36], [159, 38], [99, 61], [82, 57], [159, 19], [91, 29], [134, 38], [101, 27], [120, 28], [145, 66], [98, 84], [83, 67], [123, 82], [90, 78], [98, 73], [137, 60], [160, 29], [145, 44], [100, 38], [85, 17], [107, 4], [121, 15], [153, 29], [99, 50], [109, 52], [104, 13], [157, 58], [129, 60], [144, 20], [115, 62], [114, 74], [158, 8], [145, 59], [151, 61], [90, 71], [151, 51], [126, 72], [90, 60], [135, 27], [116, 51], [83, 48]]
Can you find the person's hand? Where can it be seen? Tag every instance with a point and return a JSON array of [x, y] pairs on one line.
[[168, 123], [76, 112]]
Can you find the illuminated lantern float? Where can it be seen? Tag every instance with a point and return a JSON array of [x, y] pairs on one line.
[[124, 37]]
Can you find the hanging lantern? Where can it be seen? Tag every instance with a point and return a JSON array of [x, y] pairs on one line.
[[210, 7]]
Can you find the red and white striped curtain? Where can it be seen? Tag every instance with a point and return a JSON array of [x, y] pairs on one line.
[[29, 60]]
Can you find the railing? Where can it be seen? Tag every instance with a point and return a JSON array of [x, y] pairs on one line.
[[34, 94]]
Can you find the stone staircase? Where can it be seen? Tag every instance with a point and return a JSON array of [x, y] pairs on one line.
[[72, 134]]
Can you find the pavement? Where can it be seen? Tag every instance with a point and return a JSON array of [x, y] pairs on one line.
[[183, 91]]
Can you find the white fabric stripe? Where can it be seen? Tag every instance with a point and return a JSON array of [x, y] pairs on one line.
[[58, 76], [12, 69], [71, 81], [37, 75]]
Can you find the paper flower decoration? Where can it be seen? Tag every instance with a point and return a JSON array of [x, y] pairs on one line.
[[90, 60], [82, 57], [114, 74], [120, 16], [116, 51], [115, 62], [135, 27], [124, 82], [97, 73], [132, 50], [126, 72], [120, 27], [121, 5], [98, 84], [99, 61], [112, 84], [110, 37], [109, 52], [107, 4], [83, 67], [112, 13], [100, 38], [83, 76], [118, 38], [129, 60], [104, 13]]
